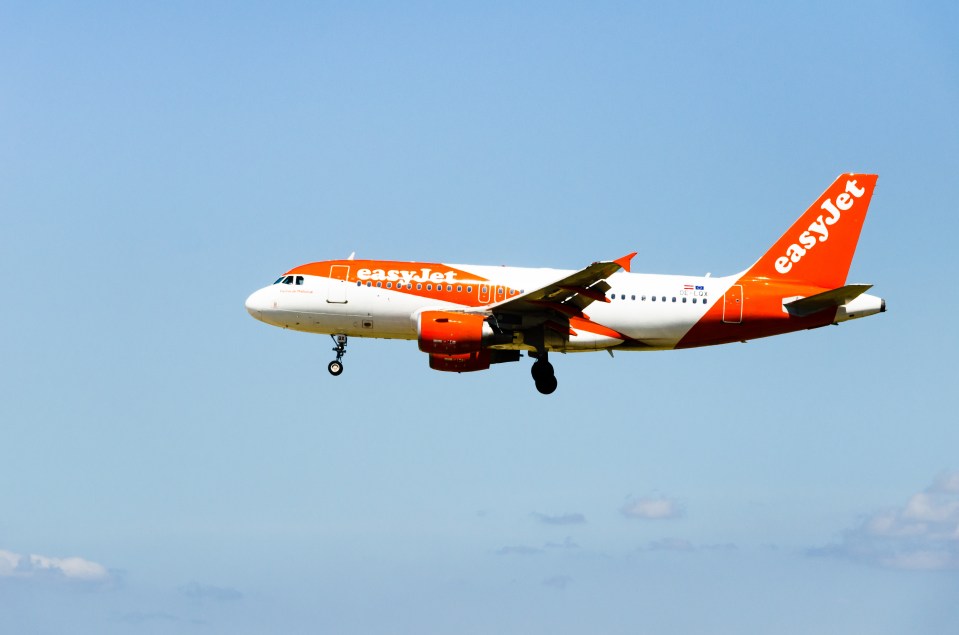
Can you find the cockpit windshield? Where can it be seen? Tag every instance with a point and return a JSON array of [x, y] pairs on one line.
[[298, 280]]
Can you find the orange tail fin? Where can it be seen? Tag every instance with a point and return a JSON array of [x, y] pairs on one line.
[[818, 248]]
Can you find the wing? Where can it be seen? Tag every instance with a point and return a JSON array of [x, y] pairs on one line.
[[554, 304]]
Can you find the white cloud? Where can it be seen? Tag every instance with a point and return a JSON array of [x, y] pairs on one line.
[[8, 563], [684, 546], [14, 565], [652, 508], [527, 550], [560, 519], [947, 482], [930, 507], [922, 534]]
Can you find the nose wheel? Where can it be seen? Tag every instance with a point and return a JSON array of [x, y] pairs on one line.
[[543, 375], [336, 366]]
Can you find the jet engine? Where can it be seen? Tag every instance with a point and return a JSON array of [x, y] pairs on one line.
[[462, 363], [457, 342], [446, 333]]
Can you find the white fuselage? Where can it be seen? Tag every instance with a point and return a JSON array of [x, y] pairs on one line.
[[655, 309]]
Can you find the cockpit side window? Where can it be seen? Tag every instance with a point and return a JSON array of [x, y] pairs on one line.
[[299, 280], [288, 280]]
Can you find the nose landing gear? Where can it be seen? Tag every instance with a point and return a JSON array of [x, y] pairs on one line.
[[543, 375], [336, 366]]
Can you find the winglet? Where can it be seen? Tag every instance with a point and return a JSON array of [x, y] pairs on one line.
[[624, 261]]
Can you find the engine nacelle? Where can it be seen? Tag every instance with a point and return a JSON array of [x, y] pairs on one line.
[[461, 363], [452, 334]]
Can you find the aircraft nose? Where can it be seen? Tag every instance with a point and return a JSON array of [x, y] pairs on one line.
[[258, 302]]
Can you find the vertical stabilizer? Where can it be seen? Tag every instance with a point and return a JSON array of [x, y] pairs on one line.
[[818, 248]]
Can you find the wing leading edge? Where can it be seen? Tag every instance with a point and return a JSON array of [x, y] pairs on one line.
[[567, 297]]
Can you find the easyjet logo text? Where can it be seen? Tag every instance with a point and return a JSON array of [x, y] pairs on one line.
[[406, 276], [818, 230]]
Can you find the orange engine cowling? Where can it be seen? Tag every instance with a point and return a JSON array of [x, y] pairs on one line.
[[451, 334], [462, 363]]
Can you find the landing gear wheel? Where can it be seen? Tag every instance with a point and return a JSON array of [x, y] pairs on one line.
[[543, 376], [336, 366], [547, 385], [541, 369]]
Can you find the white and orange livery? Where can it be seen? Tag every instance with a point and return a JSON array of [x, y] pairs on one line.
[[468, 317]]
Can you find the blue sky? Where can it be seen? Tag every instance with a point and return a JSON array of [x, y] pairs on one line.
[[171, 465]]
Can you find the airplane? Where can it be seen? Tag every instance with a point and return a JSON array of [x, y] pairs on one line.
[[469, 317]]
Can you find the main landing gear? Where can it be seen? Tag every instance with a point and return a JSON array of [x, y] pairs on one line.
[[336, 366], [542, 372]]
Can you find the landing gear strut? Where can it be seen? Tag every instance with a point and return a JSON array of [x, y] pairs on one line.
[[336, 366], [543, 376]]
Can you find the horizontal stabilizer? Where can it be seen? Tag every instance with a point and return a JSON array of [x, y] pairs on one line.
[[826, 300]]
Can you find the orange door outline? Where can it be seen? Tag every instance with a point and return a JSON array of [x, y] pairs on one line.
[[733, 305], [336, 291]]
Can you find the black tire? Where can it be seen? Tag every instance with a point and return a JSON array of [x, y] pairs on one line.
[[335, 368], [541, 370], [547, 385]]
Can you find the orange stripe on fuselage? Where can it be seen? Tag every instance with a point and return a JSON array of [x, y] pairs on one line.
[[762, 315], [423, 279]]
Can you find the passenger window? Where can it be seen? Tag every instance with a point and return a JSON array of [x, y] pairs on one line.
[[704, 300], [359, 284], [653, 298], [449, 287], [642, 299], [694, 300], [469, 289], [379, 285], [483, 289], [419, 286], [429, 287], [389, 285], [684, 300], [459, 288], [622, 296], [369, 284], [664, 298], [674, 298], [634, 297]]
